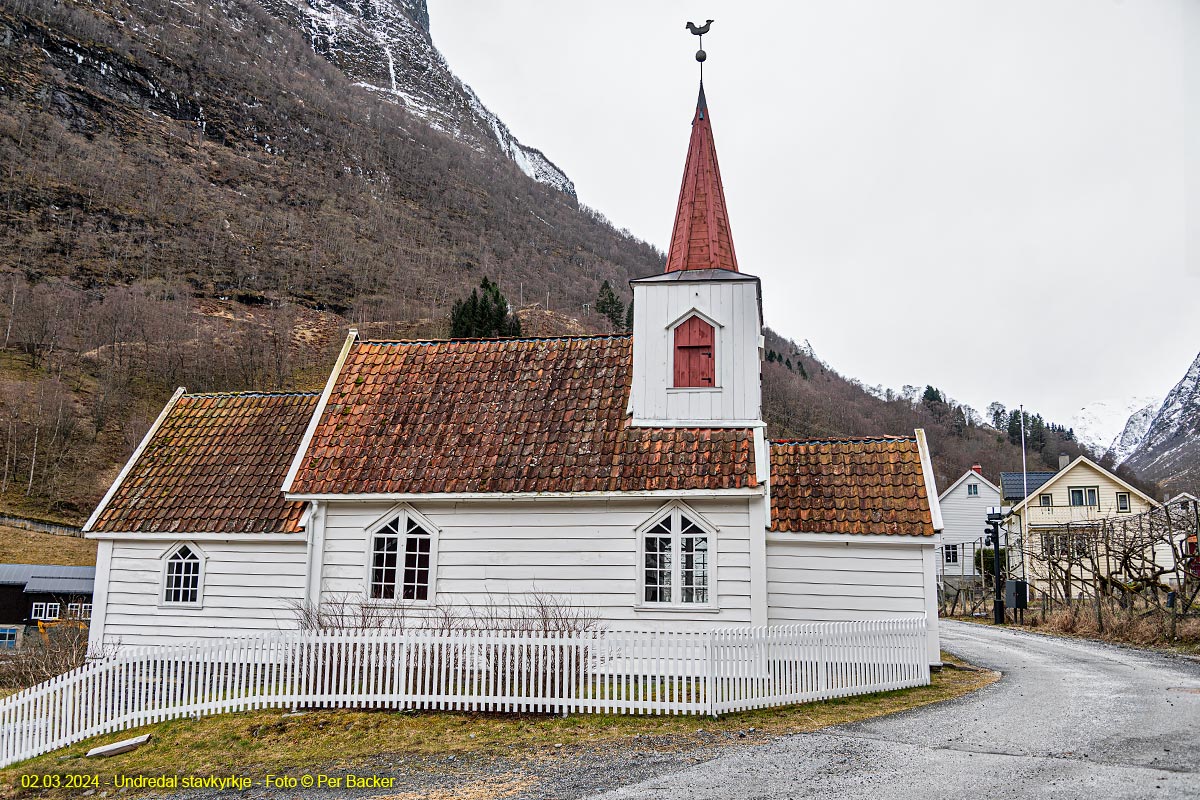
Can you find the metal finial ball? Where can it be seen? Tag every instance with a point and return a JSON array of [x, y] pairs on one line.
[[701, 56]]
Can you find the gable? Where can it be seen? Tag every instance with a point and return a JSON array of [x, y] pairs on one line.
[[1083, 472], [506, 416], [958, 491]]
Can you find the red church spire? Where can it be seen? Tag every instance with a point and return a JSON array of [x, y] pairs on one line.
[[701, 237]]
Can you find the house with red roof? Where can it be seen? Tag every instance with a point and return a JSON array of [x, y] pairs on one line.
[[629, 476]]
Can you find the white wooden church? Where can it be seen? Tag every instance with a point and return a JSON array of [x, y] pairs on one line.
[[627, 475]]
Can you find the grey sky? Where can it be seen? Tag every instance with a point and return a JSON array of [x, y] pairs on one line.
[[986, 196]]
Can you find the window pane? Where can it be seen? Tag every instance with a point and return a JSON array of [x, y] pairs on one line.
[[1092, 498], [658, 569], [383, 564], [182, 584], [1077, 497], [693, 569]]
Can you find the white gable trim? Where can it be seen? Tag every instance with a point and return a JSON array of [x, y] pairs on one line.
[[112, 490], [693, 312], [1083, 460], [351, 337], [935, 506], [682, 507], [966, 475]]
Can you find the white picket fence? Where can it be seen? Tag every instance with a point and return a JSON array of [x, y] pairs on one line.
[[628, 672]]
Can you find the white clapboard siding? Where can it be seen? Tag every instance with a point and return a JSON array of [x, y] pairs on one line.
[[663, 671], [583, 551], [247, 587], [734, 307], [964, 516], [811, 581]]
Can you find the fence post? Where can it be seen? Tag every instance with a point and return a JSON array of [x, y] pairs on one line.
[[710, 675]]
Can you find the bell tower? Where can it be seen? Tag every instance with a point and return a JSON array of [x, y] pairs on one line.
[[697, 327]]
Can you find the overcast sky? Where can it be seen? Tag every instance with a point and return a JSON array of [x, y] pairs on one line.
[[985, 196]]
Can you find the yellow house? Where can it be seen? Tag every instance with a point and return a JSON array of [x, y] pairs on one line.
[[1082, 492]]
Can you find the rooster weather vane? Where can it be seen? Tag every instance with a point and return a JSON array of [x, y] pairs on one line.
[[700, 30]]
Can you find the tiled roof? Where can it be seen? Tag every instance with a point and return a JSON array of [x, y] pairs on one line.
[[1013, 483], [505, 415], [849, 486], [215, 465]]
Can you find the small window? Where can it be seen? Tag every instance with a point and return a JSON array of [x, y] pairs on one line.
[[950, 553], [86, 612], [676, 566], [1123, 502], [972, 490], [74, 609], [1046, 500], [46, 611], [182, 580], [8, 638], [400, 563], [694, 354]]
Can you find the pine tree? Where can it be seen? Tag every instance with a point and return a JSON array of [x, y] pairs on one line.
[[629, 317], [608, 304], [484, 314]]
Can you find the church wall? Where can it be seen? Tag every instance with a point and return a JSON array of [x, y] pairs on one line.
[[584, 551], [822, 578], [246, 590]]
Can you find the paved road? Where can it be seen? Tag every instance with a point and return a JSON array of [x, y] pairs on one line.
[[1069, 719]]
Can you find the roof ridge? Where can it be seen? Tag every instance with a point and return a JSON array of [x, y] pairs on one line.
[[842, 439], [466, 339], [251, 393]]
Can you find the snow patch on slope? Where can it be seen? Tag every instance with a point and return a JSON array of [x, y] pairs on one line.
[[1099, 424], [1134, 432]]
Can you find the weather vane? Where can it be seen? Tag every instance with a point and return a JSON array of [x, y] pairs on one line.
[[700, 54]]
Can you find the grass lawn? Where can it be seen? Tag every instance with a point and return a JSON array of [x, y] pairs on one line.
[[253, 744], [18, 546]]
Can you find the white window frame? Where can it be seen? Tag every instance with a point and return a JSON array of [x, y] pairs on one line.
[[7, 643], [75, 610], [949, 550], [972, 490], [1046, 500], [162, 577], [1128, 509], [718, 354], [46, 614], [403, 512], [86, 611], [674, 510]]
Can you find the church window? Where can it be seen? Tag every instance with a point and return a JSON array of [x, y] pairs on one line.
[[400, 560], [676, 561], [181, 577], [694, 367]]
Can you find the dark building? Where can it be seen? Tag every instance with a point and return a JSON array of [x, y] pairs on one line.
[[30, 593]]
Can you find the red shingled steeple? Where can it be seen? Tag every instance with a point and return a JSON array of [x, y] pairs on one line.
[[701, 238]]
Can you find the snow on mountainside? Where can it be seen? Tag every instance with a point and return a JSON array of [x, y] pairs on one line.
[[1170, 451], [385, 46], [1135, 431], [1100, 424]]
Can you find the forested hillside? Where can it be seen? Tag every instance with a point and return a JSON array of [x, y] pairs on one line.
[[190, 195]]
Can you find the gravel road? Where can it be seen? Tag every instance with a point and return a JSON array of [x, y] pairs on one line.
[[1069, 719]]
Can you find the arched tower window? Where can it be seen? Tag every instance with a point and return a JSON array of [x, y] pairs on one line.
[[694, 366], [181, 579]]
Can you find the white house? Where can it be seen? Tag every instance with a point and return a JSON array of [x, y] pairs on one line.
[[964, 507], [627, 475]]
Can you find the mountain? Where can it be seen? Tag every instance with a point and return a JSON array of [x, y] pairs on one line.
[[1133, 433], [1100, 424], [1169, 452], [385, 47]]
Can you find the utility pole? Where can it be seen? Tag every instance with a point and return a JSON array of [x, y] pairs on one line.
[[993, 538]]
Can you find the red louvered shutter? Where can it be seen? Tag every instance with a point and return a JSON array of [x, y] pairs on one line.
[[694, 354]]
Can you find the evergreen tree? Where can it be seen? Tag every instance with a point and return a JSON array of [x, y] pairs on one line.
[[788, 364], [1014, 426], [803, 371], [932, 395], [608, 304], [629, 317], [484, 314]]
